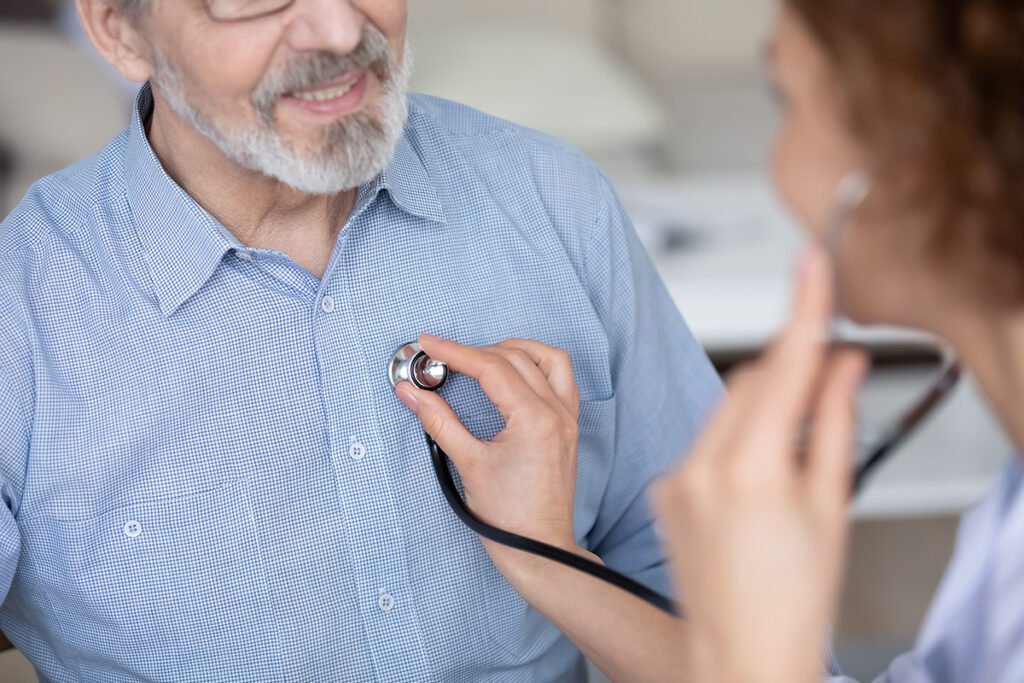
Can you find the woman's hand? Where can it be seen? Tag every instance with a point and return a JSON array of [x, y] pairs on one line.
[[523, 480], [756, 530]]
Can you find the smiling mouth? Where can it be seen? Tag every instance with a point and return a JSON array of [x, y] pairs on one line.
[[325, 92]]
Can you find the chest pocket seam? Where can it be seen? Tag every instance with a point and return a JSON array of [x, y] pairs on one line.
[[143, 586]]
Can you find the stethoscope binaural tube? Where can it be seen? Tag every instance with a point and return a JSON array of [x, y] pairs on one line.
[[410, 364], [853, 191]]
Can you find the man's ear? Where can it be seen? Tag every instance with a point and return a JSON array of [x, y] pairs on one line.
[[116, 39]]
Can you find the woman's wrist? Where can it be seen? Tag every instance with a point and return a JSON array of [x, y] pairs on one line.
[[714, 664], [526, 571]]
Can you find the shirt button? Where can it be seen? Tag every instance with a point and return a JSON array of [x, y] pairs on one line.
[[327, 304], [357, 451], [132, 529], [386, 601], [243, 255]]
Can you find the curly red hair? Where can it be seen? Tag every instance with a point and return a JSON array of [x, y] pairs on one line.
[[935, 91]]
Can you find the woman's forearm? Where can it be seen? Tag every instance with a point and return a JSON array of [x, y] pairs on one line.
[[629, 640]]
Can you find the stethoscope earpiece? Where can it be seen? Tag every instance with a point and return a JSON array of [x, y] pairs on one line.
[[853, 190], [411, 364]]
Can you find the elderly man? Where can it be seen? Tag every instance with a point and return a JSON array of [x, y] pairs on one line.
[[205, 473]]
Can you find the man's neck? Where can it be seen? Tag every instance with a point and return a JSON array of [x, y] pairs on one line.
[[259, 211]]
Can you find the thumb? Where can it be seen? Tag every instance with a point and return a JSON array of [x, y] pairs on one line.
[[441, 423]]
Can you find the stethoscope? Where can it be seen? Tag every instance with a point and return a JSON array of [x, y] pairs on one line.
[[411, 364]]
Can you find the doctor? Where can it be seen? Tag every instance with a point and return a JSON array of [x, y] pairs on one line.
[[926, 99]]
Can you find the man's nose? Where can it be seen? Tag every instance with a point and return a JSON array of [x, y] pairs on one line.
[[325, 26]]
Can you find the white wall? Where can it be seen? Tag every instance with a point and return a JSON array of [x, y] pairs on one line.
[[692, 68], [581, 15], [659, 35], [696, 35]]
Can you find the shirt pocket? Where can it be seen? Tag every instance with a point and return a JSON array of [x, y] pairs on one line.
[[165, 590], [519, 630]]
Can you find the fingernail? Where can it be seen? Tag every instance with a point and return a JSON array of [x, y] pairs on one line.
[[406, 396], [430, 337]]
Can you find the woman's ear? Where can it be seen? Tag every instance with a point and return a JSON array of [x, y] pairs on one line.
[[119, 41]]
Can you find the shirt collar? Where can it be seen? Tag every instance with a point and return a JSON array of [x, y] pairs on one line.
[[183, 244], [408, 183]]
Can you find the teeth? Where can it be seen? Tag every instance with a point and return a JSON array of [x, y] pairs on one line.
[[323, 95]]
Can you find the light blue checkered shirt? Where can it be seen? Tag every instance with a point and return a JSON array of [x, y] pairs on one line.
[[205, 474]]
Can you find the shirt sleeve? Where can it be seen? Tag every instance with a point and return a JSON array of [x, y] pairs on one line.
[[664, 385], [16, 407]]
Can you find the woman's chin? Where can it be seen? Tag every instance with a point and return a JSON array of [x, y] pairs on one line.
[[871, 314], [866, 312]]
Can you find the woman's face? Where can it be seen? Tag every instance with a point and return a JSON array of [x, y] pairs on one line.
[[814, 151]]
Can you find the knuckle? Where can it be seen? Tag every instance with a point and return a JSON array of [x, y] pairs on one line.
[[520, 356], [493, 367], [435, 425]]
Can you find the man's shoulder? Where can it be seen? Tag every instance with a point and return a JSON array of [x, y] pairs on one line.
[[507, 151], [56, 206], [464, 125]]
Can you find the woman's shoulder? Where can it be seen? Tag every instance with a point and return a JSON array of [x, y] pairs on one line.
[[984, 585], [1012, 482]]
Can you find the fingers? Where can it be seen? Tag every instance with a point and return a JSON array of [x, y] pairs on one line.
[[829, 459], [546, 370], [794, 363], [730, 419], [441, 423], [555, 364], [499, 379], [769, 403], [533, 376]]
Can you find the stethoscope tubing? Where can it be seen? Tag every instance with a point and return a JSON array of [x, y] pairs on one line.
[[900, 431], [492, 533]]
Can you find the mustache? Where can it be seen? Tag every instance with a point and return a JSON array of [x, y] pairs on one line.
[[373, 54]]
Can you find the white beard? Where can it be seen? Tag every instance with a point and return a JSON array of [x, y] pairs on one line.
[[353, 151]]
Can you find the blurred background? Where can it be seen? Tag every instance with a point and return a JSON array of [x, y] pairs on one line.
[[668, 96]]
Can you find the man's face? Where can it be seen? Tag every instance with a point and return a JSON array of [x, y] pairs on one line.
[[313, 96]]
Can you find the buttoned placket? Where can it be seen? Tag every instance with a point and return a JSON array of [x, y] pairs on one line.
[[374, 529]]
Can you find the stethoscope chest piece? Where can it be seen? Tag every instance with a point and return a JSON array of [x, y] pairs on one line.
[[411, 364]]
